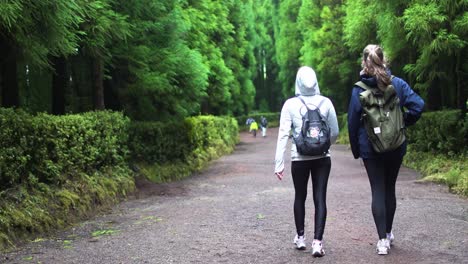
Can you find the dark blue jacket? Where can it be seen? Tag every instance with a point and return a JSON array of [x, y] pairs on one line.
[[360, 144]]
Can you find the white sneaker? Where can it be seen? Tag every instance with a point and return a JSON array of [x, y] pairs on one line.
[[300, 242], [383, 246], [317, 250], [390, 237]]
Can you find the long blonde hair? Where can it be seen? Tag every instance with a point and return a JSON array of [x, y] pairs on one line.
[[375, 64]]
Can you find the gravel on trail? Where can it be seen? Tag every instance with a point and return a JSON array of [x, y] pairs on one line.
[[236, 211]]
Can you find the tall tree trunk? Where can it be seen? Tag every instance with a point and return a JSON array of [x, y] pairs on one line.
[[462, 90], [111, 96], [59, 83], [98, 86], [8, 72]]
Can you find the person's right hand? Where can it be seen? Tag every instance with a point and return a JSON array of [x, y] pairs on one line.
[[280, 175]]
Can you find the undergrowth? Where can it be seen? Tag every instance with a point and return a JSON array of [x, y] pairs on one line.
[[449, 170], [36, 208]]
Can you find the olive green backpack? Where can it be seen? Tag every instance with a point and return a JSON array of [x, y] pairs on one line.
[[382, 117]]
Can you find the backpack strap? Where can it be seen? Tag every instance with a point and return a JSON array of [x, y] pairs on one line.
[[317, 106], [302, 100], [363, 85]]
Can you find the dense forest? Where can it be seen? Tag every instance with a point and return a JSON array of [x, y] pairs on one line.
[[156, 60], [180, 77]]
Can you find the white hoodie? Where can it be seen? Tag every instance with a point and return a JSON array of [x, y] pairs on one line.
[[293, 110]]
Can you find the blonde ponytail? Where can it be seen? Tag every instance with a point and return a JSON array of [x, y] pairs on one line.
[[374, 64]]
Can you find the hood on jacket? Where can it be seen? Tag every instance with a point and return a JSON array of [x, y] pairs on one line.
[[306, 82]]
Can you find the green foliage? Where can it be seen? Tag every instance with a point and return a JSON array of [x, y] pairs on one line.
[[101, 27], [51, 148], [161, 59], [452, 171], [159, 142], [41, 28], [33, 208], [165, 78], [206, 33], [104, 232], [55, 169], [156, 60], [391, 32], [239, 56], [343, 136], [224, 41], [443, 132], [268, 96], [359, 24], [324, 51], [165, 172], [429, 51], [288, 45], [168, 151], [440, 45]]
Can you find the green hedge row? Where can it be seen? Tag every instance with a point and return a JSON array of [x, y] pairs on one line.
[[53, 148], [56, 169], [444, 132], [158, 142], [165, 151]]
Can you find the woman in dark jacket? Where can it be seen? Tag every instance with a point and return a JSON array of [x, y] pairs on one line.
[[382, 168]]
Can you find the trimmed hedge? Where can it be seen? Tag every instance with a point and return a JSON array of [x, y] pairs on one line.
[[54, 169], [444, 132], [167, 151], [158, 142], [52, 148]]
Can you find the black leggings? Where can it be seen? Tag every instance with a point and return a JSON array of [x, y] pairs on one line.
[[320, 170], [383, 173]]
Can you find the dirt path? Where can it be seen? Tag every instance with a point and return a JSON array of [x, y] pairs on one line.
[[236, 211]]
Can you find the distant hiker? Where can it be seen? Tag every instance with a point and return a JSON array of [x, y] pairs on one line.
[[254, 128], [249, 121], [302, 166], [263, 125], [376, 133]]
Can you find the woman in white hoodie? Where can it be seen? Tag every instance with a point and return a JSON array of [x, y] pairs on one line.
[[318, 167]]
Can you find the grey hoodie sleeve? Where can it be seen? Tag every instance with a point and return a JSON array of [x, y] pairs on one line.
[[332, 122], [283, 136]]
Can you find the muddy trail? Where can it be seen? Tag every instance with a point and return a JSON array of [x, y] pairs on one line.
[[236, 211]]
